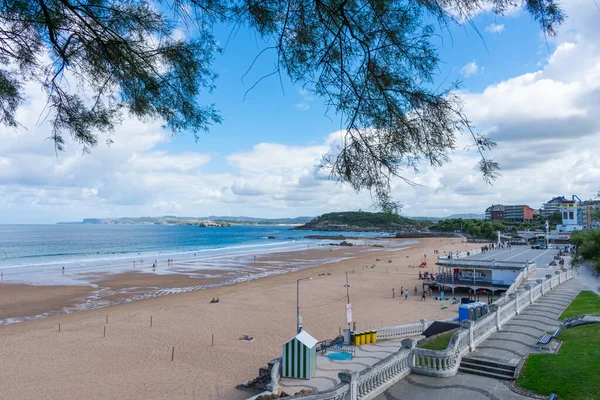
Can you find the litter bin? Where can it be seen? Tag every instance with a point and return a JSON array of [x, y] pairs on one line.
[[356, 338], [373, 336], [367, 337]]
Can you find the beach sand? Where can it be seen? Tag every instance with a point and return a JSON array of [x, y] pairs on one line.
[[134, 359]]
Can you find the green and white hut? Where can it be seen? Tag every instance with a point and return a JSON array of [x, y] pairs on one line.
[[299, 357]]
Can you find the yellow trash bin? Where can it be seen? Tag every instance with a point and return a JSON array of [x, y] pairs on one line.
[[356, 338], [361, 338], [367, 337], [373, 336]]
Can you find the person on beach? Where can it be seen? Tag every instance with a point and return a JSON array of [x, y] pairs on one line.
[[406, 294], [212, 301], [401, 291], [393, 293], [416, 290], [63, 269], [423, 297]]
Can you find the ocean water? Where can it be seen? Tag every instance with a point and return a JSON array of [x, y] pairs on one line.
[[34, 253]]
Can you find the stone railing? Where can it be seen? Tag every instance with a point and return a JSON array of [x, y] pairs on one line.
[[370, 382], [444, 363], [340, 392], [374, 380], [440, 363], [377, 378], [394, 332], [400, 331]]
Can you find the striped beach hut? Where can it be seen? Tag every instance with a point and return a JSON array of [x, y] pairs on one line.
[[299, 357]]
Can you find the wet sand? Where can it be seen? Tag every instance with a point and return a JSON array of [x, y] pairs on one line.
[[134, 359]]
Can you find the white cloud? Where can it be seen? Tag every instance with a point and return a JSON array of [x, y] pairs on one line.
[[470, 69], [545, 123], [494, 28], [303, 106]]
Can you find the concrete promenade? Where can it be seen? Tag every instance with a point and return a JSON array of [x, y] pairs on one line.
[[326, 376], [511, 344]]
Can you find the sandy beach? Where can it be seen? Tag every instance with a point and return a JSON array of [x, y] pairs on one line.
[[134, 359]]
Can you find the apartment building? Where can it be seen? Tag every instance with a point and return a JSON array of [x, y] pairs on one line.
[[509, 213]]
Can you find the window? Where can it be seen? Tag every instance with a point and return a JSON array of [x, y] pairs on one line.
[[570, 214], [565, 215]]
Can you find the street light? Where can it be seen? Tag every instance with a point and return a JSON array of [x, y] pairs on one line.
[[298, 324]]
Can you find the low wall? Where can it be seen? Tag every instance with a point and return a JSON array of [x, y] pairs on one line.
[[374, 380]]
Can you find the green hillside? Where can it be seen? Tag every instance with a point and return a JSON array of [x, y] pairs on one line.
[[361, 220]]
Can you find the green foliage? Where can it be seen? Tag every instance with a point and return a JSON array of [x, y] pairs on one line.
[[372, 62], [365, 220], [555, 219], [586, 302], [478, 228], [572, 374], [439, 343], [588, 247]]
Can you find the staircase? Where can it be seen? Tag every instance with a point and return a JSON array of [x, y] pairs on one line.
[[489, 368]]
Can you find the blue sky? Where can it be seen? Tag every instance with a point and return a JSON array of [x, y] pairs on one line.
[[270, 113], [536, 97]]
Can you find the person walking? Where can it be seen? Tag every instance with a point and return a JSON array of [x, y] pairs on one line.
[[393, 293], [423, 297], [406, 294], [416, 290]]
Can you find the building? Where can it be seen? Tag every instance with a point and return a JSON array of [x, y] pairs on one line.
[[509, 213], [570, 211], [495, 213], [490, 275], [587, 218], [551, 206], [519, 213]]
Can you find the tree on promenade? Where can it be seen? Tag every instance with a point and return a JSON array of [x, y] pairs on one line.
[[372, 62], [588, 247]]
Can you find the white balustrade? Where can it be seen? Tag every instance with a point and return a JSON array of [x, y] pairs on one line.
[[393, 332], [378, 377]]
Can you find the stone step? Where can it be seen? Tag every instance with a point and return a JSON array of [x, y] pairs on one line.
[[489, 363], [479, 372], [486, 368]]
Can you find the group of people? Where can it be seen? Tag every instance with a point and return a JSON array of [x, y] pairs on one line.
[[427, 276], [214, 300], [404, 292]]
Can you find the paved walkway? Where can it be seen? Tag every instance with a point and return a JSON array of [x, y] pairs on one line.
[[326, 376], [516, 338], [520, 335]]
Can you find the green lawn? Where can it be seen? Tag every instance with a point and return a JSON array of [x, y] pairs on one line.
[[439, 343], [573, 373], [585, 303]]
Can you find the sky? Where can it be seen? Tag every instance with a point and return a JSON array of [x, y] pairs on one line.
[[537, 97]]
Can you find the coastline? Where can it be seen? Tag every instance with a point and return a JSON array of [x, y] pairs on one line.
[[135, 359], [100, 288]]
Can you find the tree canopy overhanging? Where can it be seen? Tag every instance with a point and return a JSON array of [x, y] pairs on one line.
[[372, 62]]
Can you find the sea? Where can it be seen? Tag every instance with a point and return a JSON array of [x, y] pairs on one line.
[[33, 254], [80, 254]]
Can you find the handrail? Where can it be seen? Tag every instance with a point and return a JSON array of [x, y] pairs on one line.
[[374, 380]]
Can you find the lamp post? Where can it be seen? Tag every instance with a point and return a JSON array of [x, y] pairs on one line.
[[298, 325]]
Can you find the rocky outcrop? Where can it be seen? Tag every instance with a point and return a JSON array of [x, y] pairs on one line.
[[582, 319], [264, 380]]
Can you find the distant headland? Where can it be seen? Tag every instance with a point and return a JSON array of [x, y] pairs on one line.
[[211, 221]]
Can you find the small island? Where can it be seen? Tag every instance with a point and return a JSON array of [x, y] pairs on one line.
[[361, 221]]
